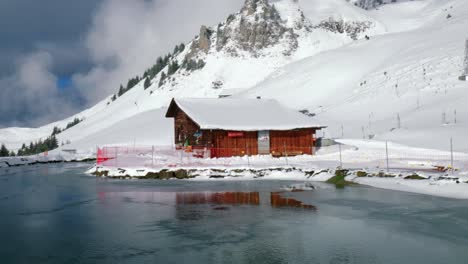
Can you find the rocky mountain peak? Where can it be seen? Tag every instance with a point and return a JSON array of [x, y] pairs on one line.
[[370, 4], [250, 6], [258, 25], [465, 62]]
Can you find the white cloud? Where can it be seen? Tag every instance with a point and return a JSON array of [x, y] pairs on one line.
[[126, 37], [34, 76], [31, 94]]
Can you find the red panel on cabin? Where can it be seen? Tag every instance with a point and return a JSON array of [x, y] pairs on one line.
[[235, 134]]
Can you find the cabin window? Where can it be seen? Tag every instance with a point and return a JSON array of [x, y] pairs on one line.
[[178, 135]]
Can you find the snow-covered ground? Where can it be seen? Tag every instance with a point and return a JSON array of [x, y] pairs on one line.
[[363, 156], [308, 170]]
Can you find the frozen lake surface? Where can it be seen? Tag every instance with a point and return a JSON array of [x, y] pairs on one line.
[[57, 214]]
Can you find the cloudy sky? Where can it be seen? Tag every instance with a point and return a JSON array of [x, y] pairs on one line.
[[58, 57]]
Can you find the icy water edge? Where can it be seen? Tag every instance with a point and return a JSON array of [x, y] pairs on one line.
[[57, 214]]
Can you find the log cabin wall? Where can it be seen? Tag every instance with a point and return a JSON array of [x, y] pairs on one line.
[[184, 127], [300, 141], [292, 141], [225, 146]]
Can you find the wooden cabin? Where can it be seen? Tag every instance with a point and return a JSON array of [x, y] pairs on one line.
[[229, 127]]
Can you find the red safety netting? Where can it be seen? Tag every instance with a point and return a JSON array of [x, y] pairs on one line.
[[103, 155]]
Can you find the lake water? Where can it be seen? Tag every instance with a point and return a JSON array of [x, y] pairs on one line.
[[57, 214]]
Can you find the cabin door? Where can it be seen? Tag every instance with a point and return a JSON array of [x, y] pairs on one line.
[[264, 142]]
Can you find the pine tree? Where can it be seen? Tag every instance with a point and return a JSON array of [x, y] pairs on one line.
[[173, 67], [163, 77], [181, 47], [4, 151], [147, 83], [200, 64], [121, 91], [166, 60], [56, 131], [158, 67], [73, 123], [12, 154], [114, 97], [53, 143]]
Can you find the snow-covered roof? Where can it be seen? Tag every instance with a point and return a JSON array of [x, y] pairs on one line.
[[240, 114]]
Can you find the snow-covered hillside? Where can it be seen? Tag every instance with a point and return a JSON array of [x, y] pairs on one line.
[[369, 85], [350, 66]]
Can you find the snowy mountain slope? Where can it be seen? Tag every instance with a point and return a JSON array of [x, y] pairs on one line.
[[318, 10], [232, 57], [314, 56], [145, 128], [367, 84], [409, 15]]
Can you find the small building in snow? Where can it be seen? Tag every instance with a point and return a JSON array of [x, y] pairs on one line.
[[236, 127]]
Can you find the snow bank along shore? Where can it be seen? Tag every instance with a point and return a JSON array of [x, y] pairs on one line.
[[410, 169]]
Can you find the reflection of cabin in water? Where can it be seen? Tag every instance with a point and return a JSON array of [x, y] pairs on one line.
[[236, 127]]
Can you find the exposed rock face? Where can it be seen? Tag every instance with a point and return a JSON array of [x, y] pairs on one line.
[[465, 64], [250, 6], [369, 4], [464, 76], [352, 29], [204, 41], [258, 25], [201, 44]]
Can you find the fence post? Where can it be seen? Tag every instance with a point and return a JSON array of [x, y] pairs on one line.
[[247, 151], [451, 155], [386, 154], [341, 160], [115, 152], [182, 155], [285, 153], [152, 156]]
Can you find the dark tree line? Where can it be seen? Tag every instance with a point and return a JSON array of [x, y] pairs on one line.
[[192, 65], [71, 124], [33, 148], [49, 143], [147, 83], [149, 74], [173, 67], [130, 84], [40, 146], [161, 63], [4, 151]]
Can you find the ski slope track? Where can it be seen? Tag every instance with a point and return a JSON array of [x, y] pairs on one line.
[[399, 61]]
